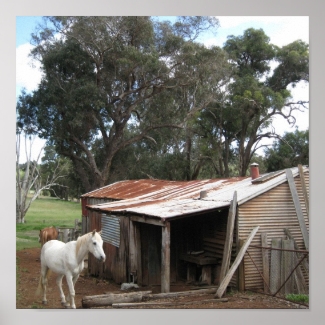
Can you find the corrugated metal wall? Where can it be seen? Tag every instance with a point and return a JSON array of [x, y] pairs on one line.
[[273, 211]]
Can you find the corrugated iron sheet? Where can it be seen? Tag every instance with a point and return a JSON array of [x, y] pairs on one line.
[[160, 208], [111, 230], [184, 199], [272, 211], [157, 189]]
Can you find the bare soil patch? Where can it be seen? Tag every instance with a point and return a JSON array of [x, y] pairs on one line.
[[28, 272]]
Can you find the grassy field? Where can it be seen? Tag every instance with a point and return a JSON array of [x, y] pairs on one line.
[[45, 212]]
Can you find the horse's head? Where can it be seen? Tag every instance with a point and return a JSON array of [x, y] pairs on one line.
[[96, 246]]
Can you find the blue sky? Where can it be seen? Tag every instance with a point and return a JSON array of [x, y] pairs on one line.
[[282, 30]]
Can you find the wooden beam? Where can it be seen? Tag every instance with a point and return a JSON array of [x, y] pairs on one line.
[[223, 285], [304, 263], [135, 250], [241, 270], [287, 266], [165, 258], [155, 222], [229, 237], [111, 298], [266, 264], [275, 276], [154, 296], [299, 212], [304, 188], [162, 304]]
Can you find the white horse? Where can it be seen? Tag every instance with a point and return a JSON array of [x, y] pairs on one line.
[[68, 260]]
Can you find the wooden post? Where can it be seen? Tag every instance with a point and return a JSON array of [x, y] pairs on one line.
[[229, 238], [299, 212], [133, 249], [138, 255], [304, 188], [266, 265], [206, 274], [287, 264], [304, 263], [275, 277], [241, 270], [226, 280], [165, 259], [191, 272]]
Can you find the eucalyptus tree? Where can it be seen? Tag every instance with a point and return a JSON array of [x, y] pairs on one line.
[[258, 93], [289, 151], [101, 76]]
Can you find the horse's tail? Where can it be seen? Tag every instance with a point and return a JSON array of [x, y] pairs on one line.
[[40, 282]]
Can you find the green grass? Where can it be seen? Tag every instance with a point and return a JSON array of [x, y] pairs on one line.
[[45, 212], [298, 298]]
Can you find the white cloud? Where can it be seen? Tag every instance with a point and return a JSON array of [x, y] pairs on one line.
[[282, 30], [28, 73]]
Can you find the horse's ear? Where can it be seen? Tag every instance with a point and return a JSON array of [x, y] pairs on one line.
[[94, 231], [100, 232]]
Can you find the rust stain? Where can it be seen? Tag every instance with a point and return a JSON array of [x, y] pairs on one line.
[[156, 189]]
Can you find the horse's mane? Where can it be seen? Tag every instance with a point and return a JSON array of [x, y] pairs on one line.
[[81, 240]]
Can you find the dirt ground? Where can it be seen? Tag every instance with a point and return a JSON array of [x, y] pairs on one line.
[[28, 272]]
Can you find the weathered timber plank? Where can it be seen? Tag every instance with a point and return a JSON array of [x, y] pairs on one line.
[[158, 304], [241, 270], [275, 276], [109, 299], [165, 258], [199, 260], [154, 296], [229, 237], [206, 274], [304, 188], [224, 283], [299, 278], [150, 221], [266, 264], [304, 263], [299, 212], [287, 266]]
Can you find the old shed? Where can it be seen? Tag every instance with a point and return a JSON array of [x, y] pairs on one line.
[[160, 232]]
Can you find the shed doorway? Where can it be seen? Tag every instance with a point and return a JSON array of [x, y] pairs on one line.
[[150, 254]]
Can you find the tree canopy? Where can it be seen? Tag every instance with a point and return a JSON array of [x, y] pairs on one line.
[[133, 97]]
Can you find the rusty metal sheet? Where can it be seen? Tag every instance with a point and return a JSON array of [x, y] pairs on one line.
[[162, 209], [171, 199], [157, 189]]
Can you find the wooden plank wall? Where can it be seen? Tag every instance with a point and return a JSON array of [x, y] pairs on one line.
[[116, 266], [273, 211]]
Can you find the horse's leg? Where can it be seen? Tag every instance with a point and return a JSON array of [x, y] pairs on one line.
[[44, 270], [59, 283], [70, 283]]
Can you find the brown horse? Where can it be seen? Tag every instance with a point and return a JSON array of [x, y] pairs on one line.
[[47, 234]]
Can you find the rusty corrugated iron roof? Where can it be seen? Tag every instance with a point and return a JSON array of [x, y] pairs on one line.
[[169, 202], [157, 189]]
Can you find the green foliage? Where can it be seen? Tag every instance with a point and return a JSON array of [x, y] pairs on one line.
[[291, 150], [298, 298], [104, 73], [127, 97]]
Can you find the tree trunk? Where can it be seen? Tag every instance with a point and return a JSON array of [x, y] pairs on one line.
[[188, 146]]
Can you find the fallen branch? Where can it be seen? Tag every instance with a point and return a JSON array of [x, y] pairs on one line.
[[139, 296], [177, 294], [111, 298], [158, 304]]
